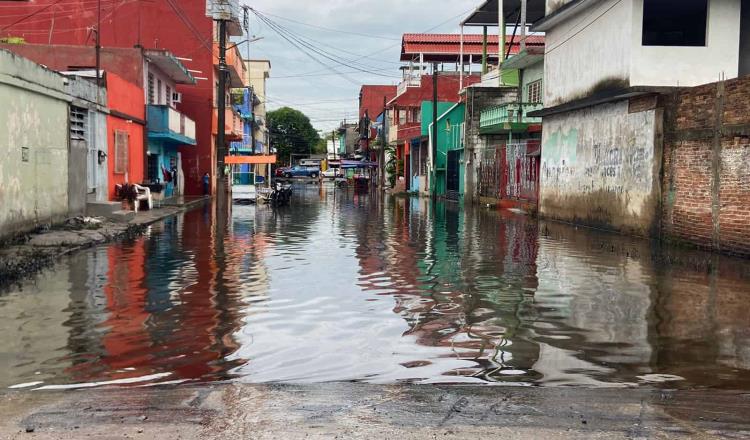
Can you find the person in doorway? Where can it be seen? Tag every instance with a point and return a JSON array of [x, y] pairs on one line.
[[206, 181]]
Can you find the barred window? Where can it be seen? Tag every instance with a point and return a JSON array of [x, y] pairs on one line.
[[78, 123], [121, 151], [534, 91]]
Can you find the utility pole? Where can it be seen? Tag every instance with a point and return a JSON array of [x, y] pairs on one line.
[[222, 100], [434, 125], [98, 44], [383, 141]]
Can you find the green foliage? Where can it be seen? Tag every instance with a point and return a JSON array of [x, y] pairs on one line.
[[291, 133], [391, 164]]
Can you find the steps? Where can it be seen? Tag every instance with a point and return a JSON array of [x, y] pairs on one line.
[[110, 210]]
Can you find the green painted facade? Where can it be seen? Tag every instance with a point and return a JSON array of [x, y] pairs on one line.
[[449, 162]]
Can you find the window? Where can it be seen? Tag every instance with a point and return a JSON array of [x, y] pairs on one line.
[[159, 95], [416, 115], [151, 93], [534, 91], [121, 152], [401, 117], [675, 22], [169, 96], [78, 123]]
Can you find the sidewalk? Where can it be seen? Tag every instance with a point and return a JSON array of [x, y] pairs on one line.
[[31, 253], [358, 411]]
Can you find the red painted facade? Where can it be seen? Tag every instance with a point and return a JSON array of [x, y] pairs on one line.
[[178, 26], [125, 99]]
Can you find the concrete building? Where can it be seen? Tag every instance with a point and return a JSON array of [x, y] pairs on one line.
[[140, 87], [258, 72], [605, 60], [35, 146], [181, 27]]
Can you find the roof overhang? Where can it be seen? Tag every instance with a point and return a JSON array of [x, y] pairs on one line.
[[603, 98], [522, 60], [487, 13], [169, 65], [562, 13]]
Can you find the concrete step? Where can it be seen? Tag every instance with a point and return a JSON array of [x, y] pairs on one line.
[[122, 216], [102, 209]]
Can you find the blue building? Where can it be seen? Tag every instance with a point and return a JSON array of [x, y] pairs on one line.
[[168, 129]]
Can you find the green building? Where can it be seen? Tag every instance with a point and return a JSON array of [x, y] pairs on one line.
[[447, 179]]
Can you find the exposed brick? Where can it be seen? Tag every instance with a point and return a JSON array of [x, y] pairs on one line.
[[689, 169]]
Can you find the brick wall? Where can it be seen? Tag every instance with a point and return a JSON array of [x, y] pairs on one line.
[[706, 184]]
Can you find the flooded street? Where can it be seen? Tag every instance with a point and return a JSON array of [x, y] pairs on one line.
[[347, 287]]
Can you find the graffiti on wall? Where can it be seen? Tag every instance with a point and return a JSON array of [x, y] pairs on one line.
[[560, 154]]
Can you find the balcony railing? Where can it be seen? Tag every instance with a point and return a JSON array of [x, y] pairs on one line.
[[511, 113], [166, 123], [409, 81], [233, 124]]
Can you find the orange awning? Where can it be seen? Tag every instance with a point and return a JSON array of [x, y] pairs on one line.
[[252, 160]]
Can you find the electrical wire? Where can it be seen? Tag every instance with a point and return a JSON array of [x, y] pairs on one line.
[[338, 31], [33, 14]]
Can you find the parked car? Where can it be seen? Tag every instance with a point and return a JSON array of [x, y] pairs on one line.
[[300, 171], [331, 173]]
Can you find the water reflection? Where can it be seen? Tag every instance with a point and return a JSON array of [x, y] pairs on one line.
[[346, 286]]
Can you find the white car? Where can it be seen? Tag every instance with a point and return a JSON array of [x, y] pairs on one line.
[[331, 173]]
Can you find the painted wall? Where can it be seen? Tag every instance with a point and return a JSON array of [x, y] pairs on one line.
[[582, 56], [600, 167], [532, 73], [33, 145], [744, 68], [688, 66], [125, 98]]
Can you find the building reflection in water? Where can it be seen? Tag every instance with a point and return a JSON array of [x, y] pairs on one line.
[[355, 286]]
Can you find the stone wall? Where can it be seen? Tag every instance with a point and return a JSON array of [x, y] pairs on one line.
[[600, 166], [706, 182]]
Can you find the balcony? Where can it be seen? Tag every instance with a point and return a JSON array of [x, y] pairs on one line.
[[168, 125], [233, 124], [409, 81], [237, 70], [511, 117]]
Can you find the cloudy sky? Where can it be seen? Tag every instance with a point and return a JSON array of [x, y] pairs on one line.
[[365, 34]]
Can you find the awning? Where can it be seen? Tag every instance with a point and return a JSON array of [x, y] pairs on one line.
[[252, 160], [486, 14]]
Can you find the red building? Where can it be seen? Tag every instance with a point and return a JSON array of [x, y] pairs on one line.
[[371, 100], [181, 27], [125, 130]]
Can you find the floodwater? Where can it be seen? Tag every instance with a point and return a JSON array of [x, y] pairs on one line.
[[351, 287]]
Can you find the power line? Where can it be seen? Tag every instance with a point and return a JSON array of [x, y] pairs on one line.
[[338, 31], [37, 12]]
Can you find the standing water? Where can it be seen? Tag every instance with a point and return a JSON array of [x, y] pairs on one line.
[[347, 287]]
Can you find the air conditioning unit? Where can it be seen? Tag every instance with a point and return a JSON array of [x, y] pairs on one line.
[[176, 97]]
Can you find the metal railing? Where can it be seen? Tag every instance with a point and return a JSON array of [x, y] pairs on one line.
[[510, 113]]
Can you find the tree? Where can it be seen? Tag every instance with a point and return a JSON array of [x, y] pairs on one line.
[[291, 133]]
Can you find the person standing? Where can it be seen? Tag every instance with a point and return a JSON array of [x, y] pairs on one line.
[[206, 181]]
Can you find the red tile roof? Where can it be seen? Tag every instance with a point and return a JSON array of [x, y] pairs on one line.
[[447, 47]]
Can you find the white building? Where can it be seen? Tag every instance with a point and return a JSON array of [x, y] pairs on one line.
[[606, 61]]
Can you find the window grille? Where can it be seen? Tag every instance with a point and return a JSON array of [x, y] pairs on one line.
[[78, 123], [534, 91], [121, 151]]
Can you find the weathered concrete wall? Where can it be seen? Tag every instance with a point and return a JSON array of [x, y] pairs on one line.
[[86, 95], [33, 145], [478, 99], [707, 166], [600, 167], [584, 55]]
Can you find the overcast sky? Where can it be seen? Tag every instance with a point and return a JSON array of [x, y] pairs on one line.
[[300, 82]]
